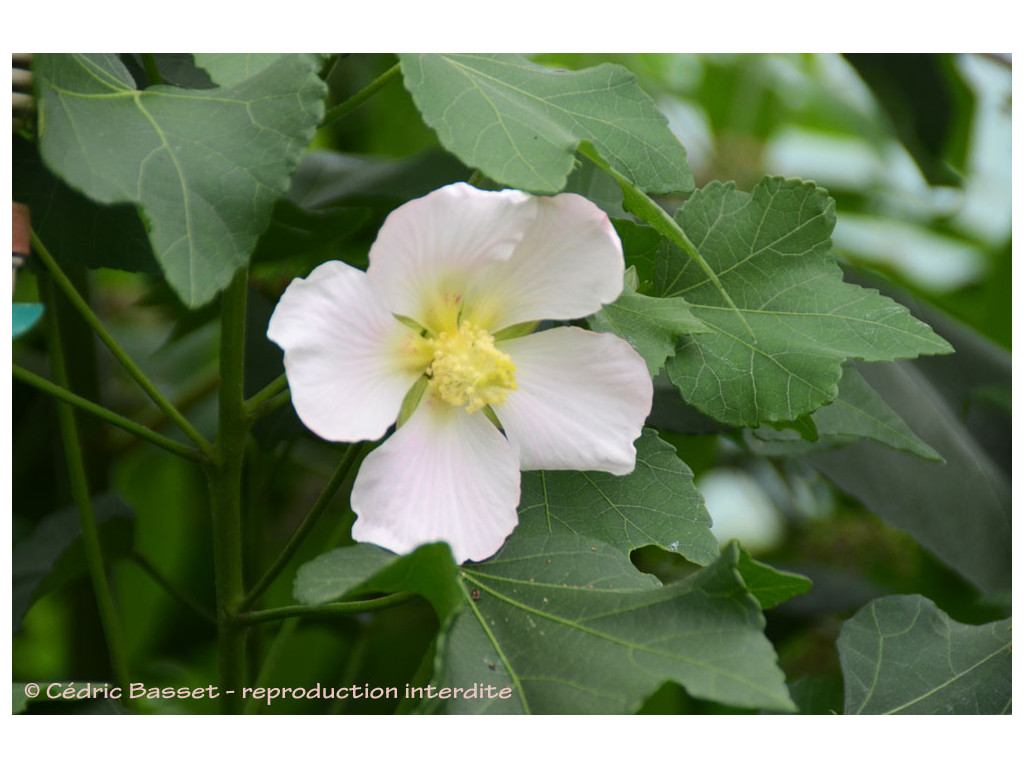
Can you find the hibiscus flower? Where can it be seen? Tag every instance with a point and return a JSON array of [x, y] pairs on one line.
[[439, 334]]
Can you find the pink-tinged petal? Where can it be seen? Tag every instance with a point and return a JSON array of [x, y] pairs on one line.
[[581, 400], [568, 264], [349, 361], [429, 250], [445, 475]]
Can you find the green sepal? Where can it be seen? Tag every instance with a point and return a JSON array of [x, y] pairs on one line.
[[412, 399], [515, 331]]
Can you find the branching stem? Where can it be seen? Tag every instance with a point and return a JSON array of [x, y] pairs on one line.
[[267, 399], [341, 473], [69, 397], [111, 343]]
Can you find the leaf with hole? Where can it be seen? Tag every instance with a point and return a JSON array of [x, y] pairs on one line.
[[571, 627]]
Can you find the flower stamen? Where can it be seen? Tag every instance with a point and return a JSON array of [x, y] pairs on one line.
[[468, 370]]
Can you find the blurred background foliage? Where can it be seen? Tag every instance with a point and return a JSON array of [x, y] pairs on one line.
[[914, 148]]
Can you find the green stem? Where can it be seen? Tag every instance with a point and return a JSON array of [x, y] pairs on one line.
[[267, 399], [326, 610], [168, 444], [341, 473], [643, 206], [189, 602], [80, 493], [225, 479], [336, 113], [152, 70], [111, 343]]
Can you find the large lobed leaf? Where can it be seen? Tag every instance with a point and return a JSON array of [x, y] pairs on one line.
[[571, 627], [778, 354], [204, 166], [655, 504], [520, 123], [902, 655]]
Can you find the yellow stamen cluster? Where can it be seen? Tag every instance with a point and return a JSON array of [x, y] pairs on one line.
[[467, 369]]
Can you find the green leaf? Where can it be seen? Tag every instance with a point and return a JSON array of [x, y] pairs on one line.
[[960, 510], [232, 68], [858, 412], [770, 251], [656, 504], [328, 178], [335, 574], [24, 317], [902, 655], [204, 166], [768, 585], [52, 556], [652, 325], [351, 571], [572, 628], [520, 123]]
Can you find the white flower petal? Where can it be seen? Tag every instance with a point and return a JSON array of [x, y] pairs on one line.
[[343, 354], [581, 400], [429, 249], [445, 475], [568, 264]]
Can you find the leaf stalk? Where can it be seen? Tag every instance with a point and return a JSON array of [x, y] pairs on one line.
[[326, 610], [643, 206]]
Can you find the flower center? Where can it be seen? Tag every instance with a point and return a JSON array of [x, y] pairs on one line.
[[467, 369]]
